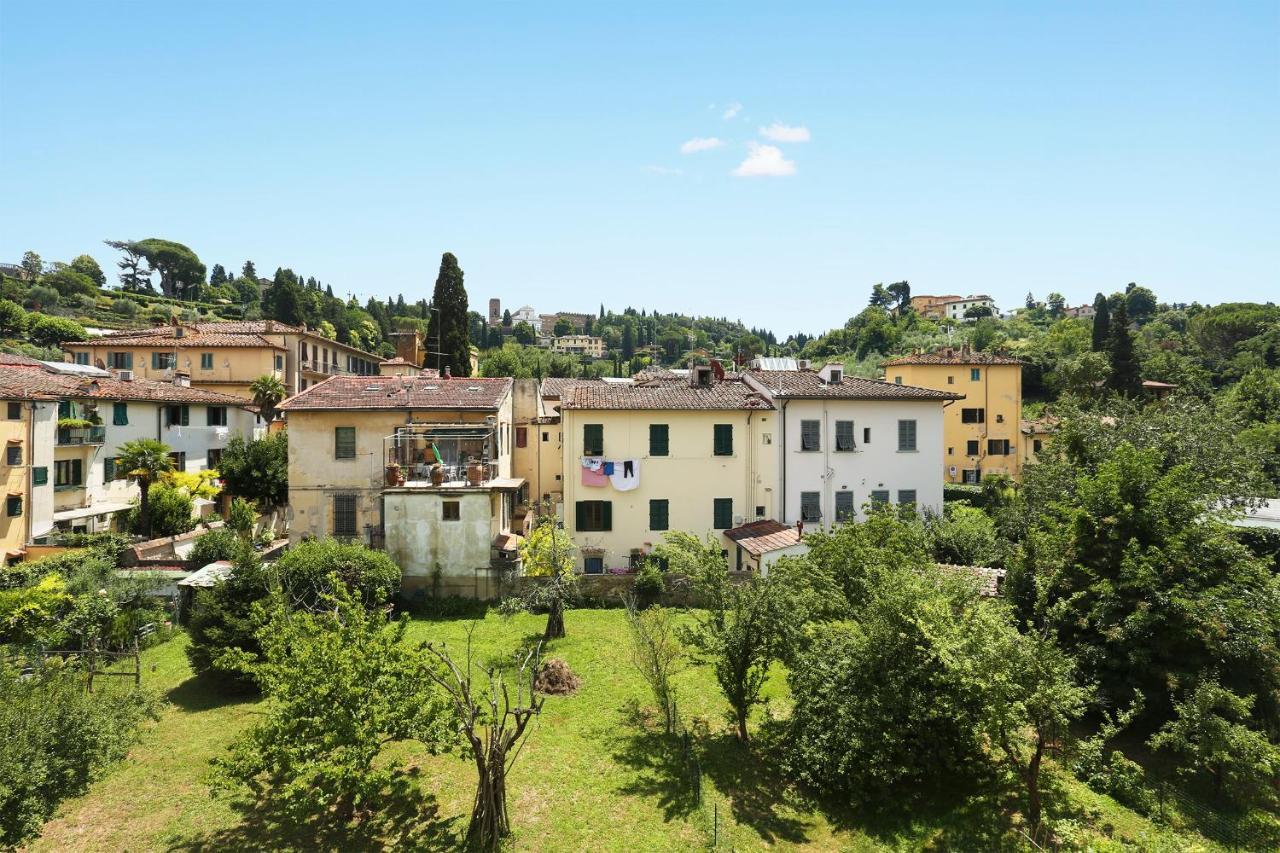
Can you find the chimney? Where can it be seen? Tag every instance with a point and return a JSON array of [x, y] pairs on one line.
[[269, 326], [448, 372], [181, 379]]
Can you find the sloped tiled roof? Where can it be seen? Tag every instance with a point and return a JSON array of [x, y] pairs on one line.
[[761, 537], [556, 385], [165, 337], [400, 392], [663, 395], [807, 383], [8, 359], [33, 383], [953, 355]]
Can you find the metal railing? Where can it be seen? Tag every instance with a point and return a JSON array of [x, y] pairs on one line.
[[82, 435]]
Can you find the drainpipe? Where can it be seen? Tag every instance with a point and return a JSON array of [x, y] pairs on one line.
[[828, 476], [29, 491], [782, 453]]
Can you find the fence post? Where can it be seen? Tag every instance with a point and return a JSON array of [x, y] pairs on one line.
[[715, 823], [137, 664]]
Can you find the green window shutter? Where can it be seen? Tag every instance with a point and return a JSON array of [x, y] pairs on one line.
[[155, 361], [186, 415], [810, 435], [659, 440], [880, 496], [64, 409], [723, 513], [579, 515], [658, 514], [108, 469], [128, 361], [120, 414], [40, 476], [14, 505], [77, 471], [593, 439], [906, 435], [344, 442], [206, 361], [723, 443], [606, 515]]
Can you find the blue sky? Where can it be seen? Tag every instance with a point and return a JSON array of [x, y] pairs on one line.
[[992, 148]]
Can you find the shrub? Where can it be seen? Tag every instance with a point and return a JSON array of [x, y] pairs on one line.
[[41, 297], [305, 573], [220, 544], [963, 535], [49, 331], [125, 307], [171, 511], [241, 517], [57, 739], [13, 320], [225, 619], [649, 585]]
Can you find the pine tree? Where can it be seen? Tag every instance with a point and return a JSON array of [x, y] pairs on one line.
[[447, 328], [328, 290], [1101, 323], [249, 271], [628, 339], [1126, 375], [218, 275]]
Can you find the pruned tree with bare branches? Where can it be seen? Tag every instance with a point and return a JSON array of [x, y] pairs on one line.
[[492, 726]]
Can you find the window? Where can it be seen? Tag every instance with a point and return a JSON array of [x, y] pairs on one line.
[[951, 451], [972, 476], [344, 442], [897, 380], [997, 447], [108, 469], [866, 435], [659, 514], [593, 439], [906, 436], [120, 360], [810, 435], [906, 497], [810, 507], [179, 458], [759, 511], [723, 440], [120, 414], [163, 360], [973, 416], [971, 447], [15, 411], [450, 511], [951, 380], [344, 515], [82, 358], [593, 516], [68, 473], [836, 376], [593, 565], [13, 506], [880, 496], [13, 454], [1036, 445], [546, 436], [722, 513], [280, 366], [844, 436], [179, 415], [215, 416], [659, 441], [64, 409], [844, 505], [975, 374], [206, 361], [999, 419], [40, 476], [522, 436]]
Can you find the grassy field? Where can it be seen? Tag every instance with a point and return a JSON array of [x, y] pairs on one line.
[[593, 776]]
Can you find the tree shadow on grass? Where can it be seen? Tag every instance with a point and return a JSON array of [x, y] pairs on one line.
[[661, 770], [758, 791], [404, 818], [205, 693]]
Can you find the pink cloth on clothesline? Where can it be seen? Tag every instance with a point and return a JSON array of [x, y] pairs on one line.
[[596, 478]]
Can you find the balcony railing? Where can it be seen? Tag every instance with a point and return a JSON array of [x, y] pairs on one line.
[[82, 435]]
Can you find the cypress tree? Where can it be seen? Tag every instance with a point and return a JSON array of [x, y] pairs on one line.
[[249, 271], [1101, 323], [447, 328], [1126, 375]]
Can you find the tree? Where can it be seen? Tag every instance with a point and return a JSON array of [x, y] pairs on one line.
[[901, 293], [170, 511], [257, 469], [1101, 323], [69, 283], [225, 619], [548, 552], [963, 535], [1030, 301], [220, 544], [343, 686], [32, 266], [13, 320], [656, 654], [311, 572], [493, 727], [506, 317], [1211, 736], [181, 271], [1057, 304], [267, 391], [563, 326], [524, 334], [218, 276], [134, 277], [88, 267], [250, 272], [46, 331], [145, 460], [1126, 374], [283, 300], [241, 516], [447, 328], [1140, 303], [628, 339], [881, 297], [1082, 374]]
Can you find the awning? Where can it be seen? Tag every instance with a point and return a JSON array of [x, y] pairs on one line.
[[87, 511], [446, 431]]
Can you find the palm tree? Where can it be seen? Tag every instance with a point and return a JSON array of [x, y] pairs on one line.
[[144, 459], [267, 392]]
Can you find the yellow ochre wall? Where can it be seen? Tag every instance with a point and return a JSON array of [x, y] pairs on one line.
[[13, 531], [234, 368], [999, 391]]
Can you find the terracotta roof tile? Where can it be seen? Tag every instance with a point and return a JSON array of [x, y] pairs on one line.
[[165, 337], [400, 392], [761, 537], [953, 355], [43, 384], [8, 359], [807, 383], [662, 395]]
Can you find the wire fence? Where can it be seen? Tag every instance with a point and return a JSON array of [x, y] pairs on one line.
[[1233, 829]]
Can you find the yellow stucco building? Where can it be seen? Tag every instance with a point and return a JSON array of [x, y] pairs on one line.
[[981, 433]]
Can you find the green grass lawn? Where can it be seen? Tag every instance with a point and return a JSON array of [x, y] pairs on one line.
[[590, 778]]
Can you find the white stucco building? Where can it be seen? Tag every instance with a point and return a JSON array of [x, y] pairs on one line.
[[844, 442]]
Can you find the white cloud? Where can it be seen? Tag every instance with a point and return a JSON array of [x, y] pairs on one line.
[[701, 143], [780, 132], [732, 110], [764, 161], [663, 170]]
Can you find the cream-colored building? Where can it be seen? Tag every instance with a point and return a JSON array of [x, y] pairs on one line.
[[981, 432], [588, 345], [225, 357], [538, 453], [361, 456], [669, 451]]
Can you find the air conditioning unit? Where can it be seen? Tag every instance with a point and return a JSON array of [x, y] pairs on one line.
[[737, 520], [125, 375]]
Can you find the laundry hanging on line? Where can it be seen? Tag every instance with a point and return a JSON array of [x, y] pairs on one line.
[[626, 475], [593, 472]]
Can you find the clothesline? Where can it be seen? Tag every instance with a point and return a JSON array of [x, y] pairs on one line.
[[622, 474]]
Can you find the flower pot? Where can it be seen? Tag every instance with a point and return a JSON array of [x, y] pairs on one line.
[[393, 475], [437, 475], [475, 473]]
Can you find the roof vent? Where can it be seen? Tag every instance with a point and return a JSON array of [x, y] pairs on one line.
[[473, 387]]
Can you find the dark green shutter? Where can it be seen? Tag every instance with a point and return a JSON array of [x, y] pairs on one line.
[[593, 439], [659, 440], [723, 440], [658, 514], [186, 415], [64, 409], [14, 505], [579, 515], [120, 414], [344, 442], [40, 476], [606, 515], [77, 471], [108, 469], [723, 513]]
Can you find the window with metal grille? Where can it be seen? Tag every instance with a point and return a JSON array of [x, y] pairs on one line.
[[344, 515], [844, 505], [593, 516], [659, 514], [844, 436], [593, 439], [723, 440], [906, 436], [907, 496], [722, 513], [880, 496], [15, 411], [972, 476], [810, 507], [215, 416], [450, 511], [659, 440], [120, 414], [810, 435], [973, 416], [344, 442], [13, 454]]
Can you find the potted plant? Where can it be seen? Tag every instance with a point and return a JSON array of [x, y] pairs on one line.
[[394, 477], [437, 474], [475, 473]]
